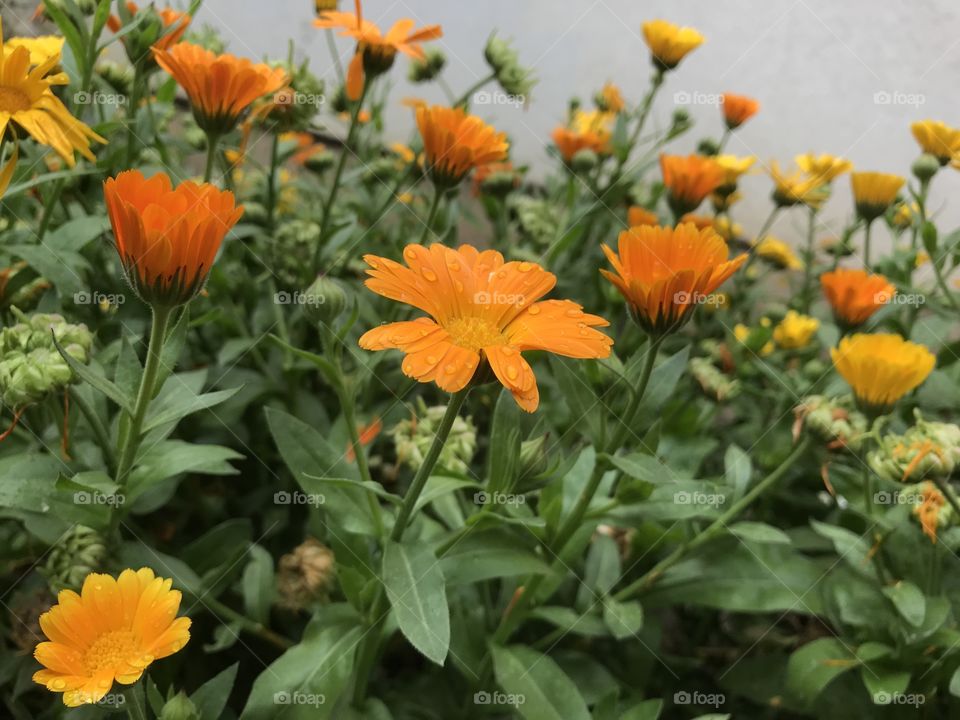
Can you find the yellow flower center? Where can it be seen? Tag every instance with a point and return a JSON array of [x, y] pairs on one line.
[[474, 333], [111, 650], [13, 100]]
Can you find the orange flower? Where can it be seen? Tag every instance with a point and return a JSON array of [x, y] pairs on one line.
[[483, 310], [111, 632], [167, 238], [174, 24], [609, 99], [454, 143], [689, 180], [587, 131], [663, 272], [220, 87], [376, 51], [928, 512], [637, 215], [855, 295], [737, 109]]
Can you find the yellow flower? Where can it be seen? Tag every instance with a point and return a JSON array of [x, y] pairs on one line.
[[609, 99], [587, 131], [796, 188], [874, 192], [727, 229], [937, 139], [904, 214], [795, 330], [404, 152], [733, 167], [669, 43], [779, 253], [41, 48], [742, 333], [824, 168], [26, 99], [112, 631], [881, 368]]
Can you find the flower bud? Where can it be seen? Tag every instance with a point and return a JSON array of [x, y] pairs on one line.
[[929, 235], [926, 450], [708, 147], [835, 421], [413, 438], [80, 552], [925, 167], [293, 248], [533, 456], [713, 381], [179, 707], [429, 68], [584, 161], [326, 299]]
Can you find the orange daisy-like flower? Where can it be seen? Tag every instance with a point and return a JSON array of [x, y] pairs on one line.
[[589, 131], [689, 180], [482, 310], [376, 51], [112, 631], [454, 143], [663, 272], [855, 295], [637, 215], [737, 109], [220, 87], [174, 24], [167, 238]]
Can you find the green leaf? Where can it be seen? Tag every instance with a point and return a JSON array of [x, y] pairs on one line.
[[663, 382], [758, 532], [344, 502], [127, 370], [624, 619], [95, 380], [547, 692], [503, 456], [814, 666], [853, 548], [135, 554], [438, 486], [180, 402], [175, 457], [63, 268], [258, 584], [647, 710], [304, 450], [738, 468], [884, 683], [909, 601], [74, 235], [211, 698], [417, 592], [645, 467], [570, 621], [487, 554], [955, 683]]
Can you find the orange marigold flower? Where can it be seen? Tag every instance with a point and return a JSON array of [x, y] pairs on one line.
[[174, 22], [874, 192], [482, 310], [587, 131], [454, 143], [376, 51], [669, 43], [928, 511], [737, 109], [689, 180], [663, 272], [855, 294], [609, 99], [167, 238], [111, 632], [937, 139], [881, 368], [220, 87], [637, 215]]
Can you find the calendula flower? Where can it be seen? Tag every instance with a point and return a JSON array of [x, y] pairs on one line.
[[111, 632], [904, 214], [931, 510], [823, 168], [220, 87], [937, 139], [779, 253], [167, 238], [855, 295], [587, 131], [27, 100], [174, 24], [637, 215], [874, 192], [734, 167], [454, 143], [40, 48], [609, 99], [664, 273], [482, 310], [375, 51], [795, 330], [737, 109], [669, 43], [743, 335], [689, 180], [796, 188], [881, 368]]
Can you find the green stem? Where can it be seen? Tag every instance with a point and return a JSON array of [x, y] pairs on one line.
[[431, 216], [213, 140], [867, 487], [807, 297], [718, 526], [335, 187], [225, 612], [48, 207], [96, 426], [335, 56], [272, 180], [866, 244], [465, 98], [135, 94], [134, 701]]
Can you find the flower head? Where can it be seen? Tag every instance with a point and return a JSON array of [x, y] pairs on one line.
[[855, 295], [174, 24], [874, 192], [937, 139], [481, 309], [587, 131], [795, 330], [778, 252], [41, 48], [796, 188], [737, 109], [689, 180], [609, 99], [932, 510], [220, 87], [27, 100], [112, 631], [663, 272], [454, 143], [823, 168], [376, 50], [669, 43], [167, 238], [637, 215], [881, 368]]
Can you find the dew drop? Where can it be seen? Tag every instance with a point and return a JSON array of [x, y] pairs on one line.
[[512, 372], [525, 267], [432, 359], [450, 369], [534, 310], [429, 274]]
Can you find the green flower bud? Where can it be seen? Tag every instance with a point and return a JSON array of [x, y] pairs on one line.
[[715, 383], [117, 76], [505, 63], [295, 106], [926, 450], [294, 245], [179, 707], [412, 439], [584, 161], [429, 68], [539, 219], [925, 167], [197, 140], [320, 162], [326, 299], [835, 421], [708, 147], [80, 552], [500, 183], [207, 37], [381, 171], [533, 457]]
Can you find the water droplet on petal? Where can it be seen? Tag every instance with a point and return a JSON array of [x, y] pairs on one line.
[[512, 372], [429, 274], [534, 310]]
